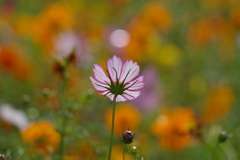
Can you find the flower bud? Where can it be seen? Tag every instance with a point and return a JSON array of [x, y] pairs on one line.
[[127, 137], [133, 150], [72, 56], [2, 157], [223, 136]]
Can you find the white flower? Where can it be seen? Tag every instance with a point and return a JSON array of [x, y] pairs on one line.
[[13, 116]]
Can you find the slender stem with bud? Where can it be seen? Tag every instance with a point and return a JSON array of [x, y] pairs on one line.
[[112, 130]]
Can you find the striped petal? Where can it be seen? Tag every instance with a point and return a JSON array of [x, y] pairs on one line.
[[100, 87], [129, 71], [100, 75], [131, 95], [136, 84], [114, 66], [119, 98]]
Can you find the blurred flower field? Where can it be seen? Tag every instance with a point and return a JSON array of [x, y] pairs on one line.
[[188, 53]]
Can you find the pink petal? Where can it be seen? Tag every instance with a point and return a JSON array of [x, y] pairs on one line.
[[111, 96], [119, 98], [129, 69], [136, 84], [100, 75], [114, 62], [131, 95], [100, 87]]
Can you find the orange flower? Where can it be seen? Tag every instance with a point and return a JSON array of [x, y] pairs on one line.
[[14, 63], [154, 18], [213, 28], [217, 104], [235, 15], [48, 24], [174, 128], [41, 137], [126, 116], [157, 16]]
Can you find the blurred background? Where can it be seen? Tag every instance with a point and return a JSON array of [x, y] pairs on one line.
[[188, 51]]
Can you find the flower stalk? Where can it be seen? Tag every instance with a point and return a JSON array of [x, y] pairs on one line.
[[124, 148], [214, 150], [112, 130], [62, 112]]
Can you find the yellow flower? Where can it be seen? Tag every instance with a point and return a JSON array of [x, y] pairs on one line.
[[41, 137], [169, 55], [126, 116], [217, 104], [174, 128]]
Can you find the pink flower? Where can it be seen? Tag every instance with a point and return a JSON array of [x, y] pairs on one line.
[[121, 80]]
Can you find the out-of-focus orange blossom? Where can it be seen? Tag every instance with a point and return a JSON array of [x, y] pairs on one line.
[[235, 15], [217, 4], [22, 23], [81, 150], [15, 62], [117, 153], [126, 116], [173, 127], [217, 104], [154, 18], [209, 29], [41, 137], [48, 23], [216, 31], [157, 16]]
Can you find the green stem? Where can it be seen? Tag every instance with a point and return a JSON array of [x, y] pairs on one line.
[[113, 117], [238, 144], [62, 111], [214, 150], [124, 148]]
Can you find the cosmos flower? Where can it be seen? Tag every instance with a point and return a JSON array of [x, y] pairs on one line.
[[121, 80]]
